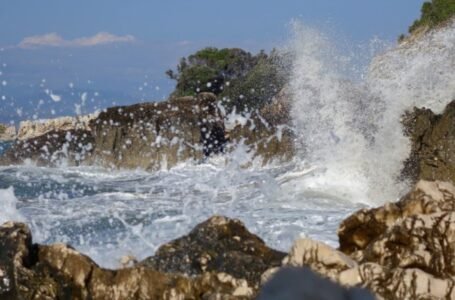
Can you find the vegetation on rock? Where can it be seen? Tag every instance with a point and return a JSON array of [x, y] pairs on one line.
[[433, 14], [2, 129], [243, 80]]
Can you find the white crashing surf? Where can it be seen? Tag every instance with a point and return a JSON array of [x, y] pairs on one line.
[[352, 127], [9, 210]]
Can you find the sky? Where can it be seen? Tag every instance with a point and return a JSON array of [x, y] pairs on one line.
[[63, 57]]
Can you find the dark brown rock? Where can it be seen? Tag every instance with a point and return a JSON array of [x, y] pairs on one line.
[[157, 135], [218, 244], [433, 144], [268, 131], [57, 271]]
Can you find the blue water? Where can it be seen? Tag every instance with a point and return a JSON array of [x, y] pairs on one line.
[[4, 146]]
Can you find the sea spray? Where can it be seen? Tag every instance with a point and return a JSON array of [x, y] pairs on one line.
[[352, 128], [8, 202]]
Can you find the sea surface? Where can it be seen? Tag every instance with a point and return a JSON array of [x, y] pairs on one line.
[[107, 214]]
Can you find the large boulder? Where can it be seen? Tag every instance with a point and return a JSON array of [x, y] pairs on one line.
[[219, 244], [433, 144]]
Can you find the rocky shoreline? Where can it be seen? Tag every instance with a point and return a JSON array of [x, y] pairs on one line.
[[154, 136], [402, 250]]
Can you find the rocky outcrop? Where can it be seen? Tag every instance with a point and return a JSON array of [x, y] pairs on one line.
[[7, 133], [217, 245], [29, 271], [403, 250], [54, 148], [433, 144], [158, 135]]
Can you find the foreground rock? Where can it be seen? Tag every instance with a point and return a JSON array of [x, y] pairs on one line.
[[217, 245], [433, 144], [403, 250], [30, 271]]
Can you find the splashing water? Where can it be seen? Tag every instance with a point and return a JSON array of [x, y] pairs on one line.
[[348, 130], [352, 128]]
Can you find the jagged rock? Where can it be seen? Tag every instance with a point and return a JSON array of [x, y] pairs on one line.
[[360, 229], [426, 242], [29, 271], [267, 132], [33, 129], [218, 244], [158, 135], [319, 257], [433, 144], [403, 250], [53, 148]]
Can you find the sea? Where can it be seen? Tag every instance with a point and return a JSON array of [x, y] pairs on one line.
[[350, 150]]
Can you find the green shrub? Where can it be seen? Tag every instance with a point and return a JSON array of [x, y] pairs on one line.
[[257, 87], [434, 13], [243, 80], [2, 129], [208, 69]]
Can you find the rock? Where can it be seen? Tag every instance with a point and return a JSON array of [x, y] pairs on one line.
[[34, 129], [266, 132], [158, 135], [7, 133], [218, 244], [360, 229], [29, 271], [433, 144], [293, 283], [403, 250], [319, 257], [54, 148]]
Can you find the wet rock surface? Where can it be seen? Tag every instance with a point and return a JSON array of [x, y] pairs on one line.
[[159, 135], [219, 244], [433, 144], [267, 132]]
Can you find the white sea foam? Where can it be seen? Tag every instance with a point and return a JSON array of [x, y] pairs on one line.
[[8, 202]]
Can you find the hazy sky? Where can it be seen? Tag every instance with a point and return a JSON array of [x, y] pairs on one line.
[[118, 51]]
